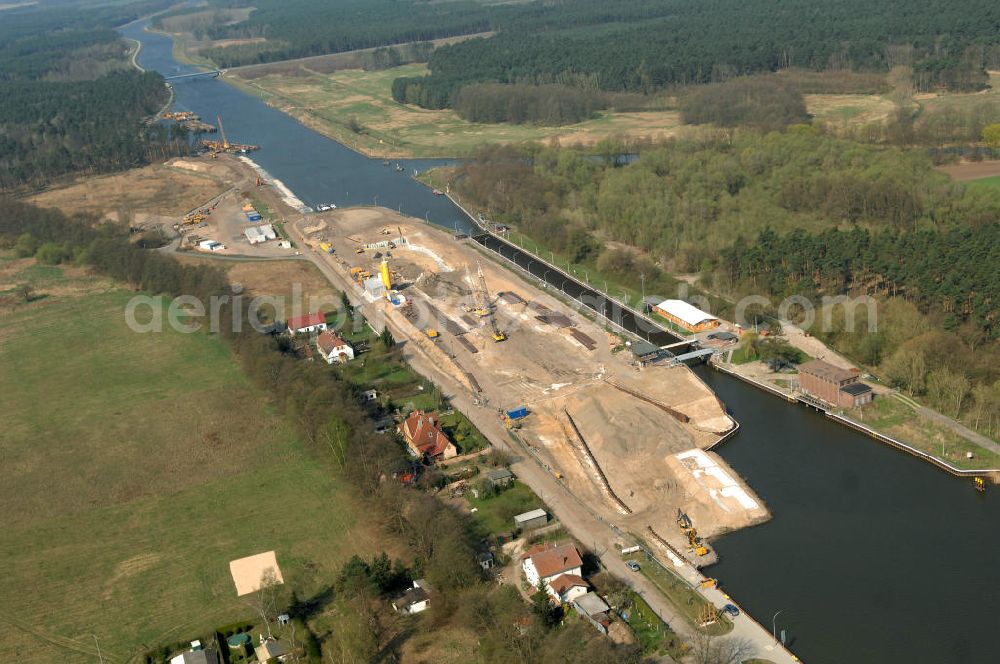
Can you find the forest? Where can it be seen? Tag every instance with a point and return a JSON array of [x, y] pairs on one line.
[[69, 100], [549, 105], [300, 28], [779, 214], [331, 423], [764, 103], [649, 45], [640, 45]]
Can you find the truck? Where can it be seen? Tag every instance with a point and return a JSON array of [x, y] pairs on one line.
[[326, 246]]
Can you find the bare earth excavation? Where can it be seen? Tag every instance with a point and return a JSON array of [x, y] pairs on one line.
[[627, 441]]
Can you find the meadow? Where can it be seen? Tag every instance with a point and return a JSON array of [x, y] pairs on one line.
[[137, 466], [356, 108]]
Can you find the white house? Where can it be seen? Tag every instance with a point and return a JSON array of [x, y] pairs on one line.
[[545, 562], [567, 587], [314, 322], [333, 348], [414, 600]]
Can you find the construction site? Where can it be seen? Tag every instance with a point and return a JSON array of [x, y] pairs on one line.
[[628, 441]]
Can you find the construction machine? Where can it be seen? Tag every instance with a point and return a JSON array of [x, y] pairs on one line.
[[484, 307], [688, 529]]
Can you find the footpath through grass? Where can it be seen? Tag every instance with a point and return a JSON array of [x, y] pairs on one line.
[[137, 466]]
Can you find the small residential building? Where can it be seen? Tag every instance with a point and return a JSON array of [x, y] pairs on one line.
[[424, 437], [500, 478], [198, 656], [595, 610], [333, 349], [544, 562], [314, 322], [414, 600], [567, 587], [272, 648], [533, 519], [259, 234], [687, 316], [838, 387]]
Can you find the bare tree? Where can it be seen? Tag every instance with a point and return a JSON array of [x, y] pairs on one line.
[[708, 649], [264, 600]]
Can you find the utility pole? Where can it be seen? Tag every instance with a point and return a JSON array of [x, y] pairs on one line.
[[642, 278]]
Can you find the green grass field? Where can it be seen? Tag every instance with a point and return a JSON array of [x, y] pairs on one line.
[[895, 418], [328, 102], [986, 183], [137, 466], [496, 515]]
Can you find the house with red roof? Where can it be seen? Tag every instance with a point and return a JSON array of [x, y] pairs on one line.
[[333, 348], [567, 587], [314, 322], [544, 563], [423, 436]]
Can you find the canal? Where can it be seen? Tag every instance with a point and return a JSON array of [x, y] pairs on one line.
[[872, 555]]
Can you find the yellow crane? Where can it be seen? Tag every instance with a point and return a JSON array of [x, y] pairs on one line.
[[485, 307], [222, 132]]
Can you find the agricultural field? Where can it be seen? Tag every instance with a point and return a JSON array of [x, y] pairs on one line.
[[138, 466], [356, 108]]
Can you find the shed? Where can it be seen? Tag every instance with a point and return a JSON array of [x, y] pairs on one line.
[[500, 477], [595, 610], [644, 351], [532, 519]]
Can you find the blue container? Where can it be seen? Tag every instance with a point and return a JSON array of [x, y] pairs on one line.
[[518, 413]]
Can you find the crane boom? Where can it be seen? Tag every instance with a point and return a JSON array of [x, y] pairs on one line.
[[222, 132], [486, 307]]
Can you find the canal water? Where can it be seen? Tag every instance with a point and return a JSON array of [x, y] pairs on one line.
[[872, 555]]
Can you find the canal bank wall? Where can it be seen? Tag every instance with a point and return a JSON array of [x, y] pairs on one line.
[[992, 473]]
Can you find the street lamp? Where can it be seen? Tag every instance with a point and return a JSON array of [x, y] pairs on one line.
[[642, 278], [774, 628]]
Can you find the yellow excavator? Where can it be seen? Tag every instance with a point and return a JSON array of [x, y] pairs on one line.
[[684, 523]]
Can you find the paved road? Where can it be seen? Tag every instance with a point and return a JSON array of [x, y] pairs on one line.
[[582, 523]]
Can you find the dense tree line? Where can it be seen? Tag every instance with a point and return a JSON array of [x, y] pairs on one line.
[[69, 102], [300, 28], [686, 200], [527, 104], [764, 103], [48, 130], [330, 420], [952, 271], [649, 44]]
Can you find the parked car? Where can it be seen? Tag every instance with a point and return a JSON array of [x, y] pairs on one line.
[[632, 565], [731, 609]]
